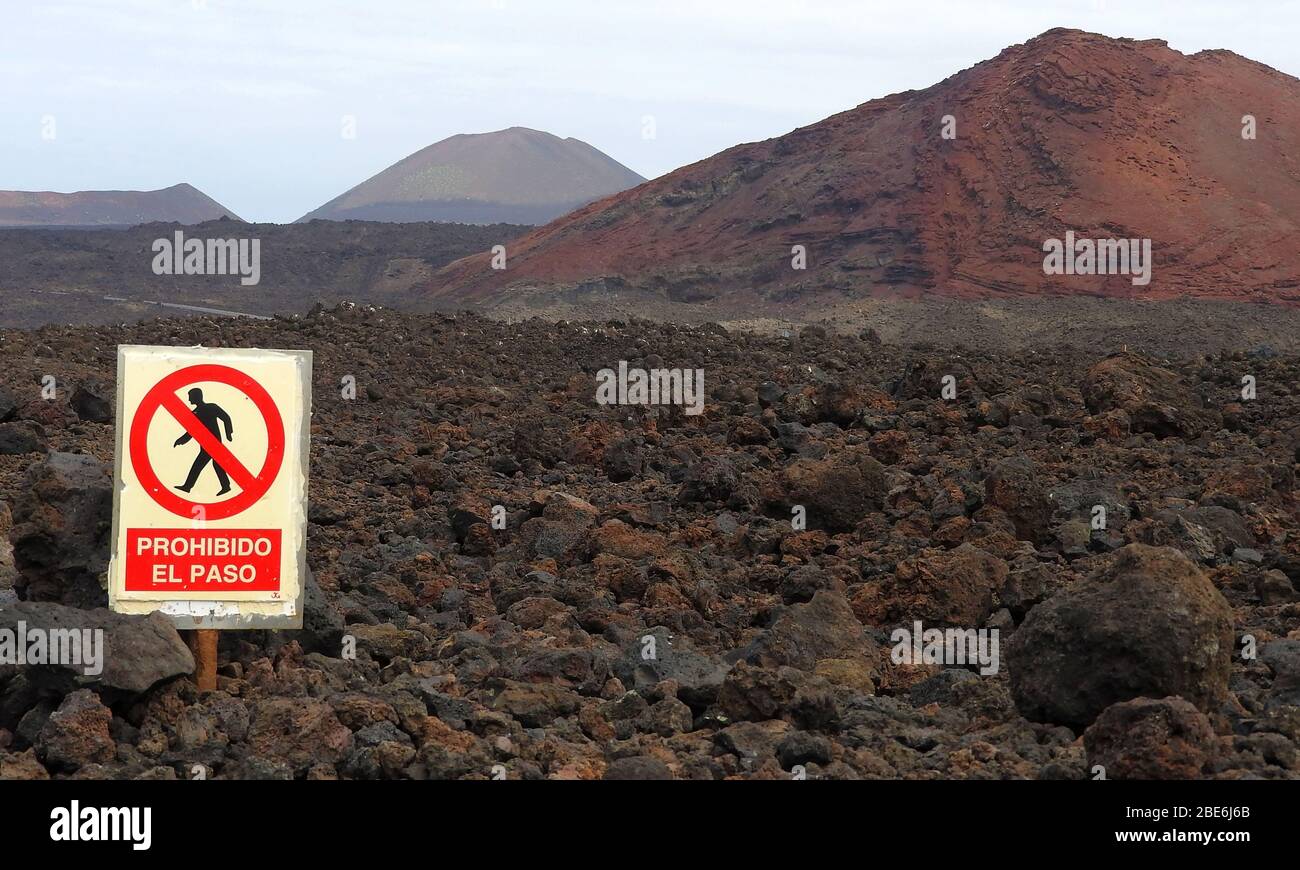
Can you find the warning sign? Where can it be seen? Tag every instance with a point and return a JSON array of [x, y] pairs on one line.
[[209, 520]]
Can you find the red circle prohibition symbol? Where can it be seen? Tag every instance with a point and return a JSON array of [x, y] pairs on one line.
[[163, 396]]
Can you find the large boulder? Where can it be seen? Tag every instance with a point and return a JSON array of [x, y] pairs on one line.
[[137, 651], [62, 523], [1155, 399], [1149, 625]]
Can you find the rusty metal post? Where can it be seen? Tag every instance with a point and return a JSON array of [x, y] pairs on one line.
[[203, 643]]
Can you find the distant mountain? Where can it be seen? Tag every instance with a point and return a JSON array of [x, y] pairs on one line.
[[959, 190], [517, 176], [180, 203]]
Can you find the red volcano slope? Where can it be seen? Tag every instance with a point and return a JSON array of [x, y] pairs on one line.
[[1110, 138]]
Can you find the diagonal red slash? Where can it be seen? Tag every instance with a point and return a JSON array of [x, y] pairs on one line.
[[208, 441], [167, 388]]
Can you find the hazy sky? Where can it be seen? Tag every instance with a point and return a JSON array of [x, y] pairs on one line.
[[245, 99]]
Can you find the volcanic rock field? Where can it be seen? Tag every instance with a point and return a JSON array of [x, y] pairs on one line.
[[510, 580]]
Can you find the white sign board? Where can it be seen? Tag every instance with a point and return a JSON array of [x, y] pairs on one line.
[[210, 487]]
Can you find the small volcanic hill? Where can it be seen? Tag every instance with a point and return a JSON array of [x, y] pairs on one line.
[[517, 176], [1109, 138], [180, 203], [89, 275]]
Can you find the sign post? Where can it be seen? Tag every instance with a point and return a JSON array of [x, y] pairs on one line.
[[203, 644], [210, 490]]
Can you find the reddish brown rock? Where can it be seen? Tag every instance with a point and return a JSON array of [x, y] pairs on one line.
[[76, 734], [616, 538], [24, 766], [836, 492], [804, 634], [940, 588], [1148, 738], [752, 694], [299, 731], [1015, 487], [1155, 399]]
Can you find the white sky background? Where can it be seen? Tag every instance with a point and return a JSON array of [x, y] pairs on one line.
[[244, 98]]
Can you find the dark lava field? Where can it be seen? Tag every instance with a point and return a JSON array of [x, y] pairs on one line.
[[538, 586]]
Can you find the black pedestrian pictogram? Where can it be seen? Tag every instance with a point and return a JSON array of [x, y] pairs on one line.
[[253, 487], [209, 414]]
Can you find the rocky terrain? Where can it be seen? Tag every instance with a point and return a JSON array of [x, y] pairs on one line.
[[180, 203], [953, 190], [649, 610]]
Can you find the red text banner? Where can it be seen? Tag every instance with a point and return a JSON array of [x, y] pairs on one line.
[[203, 560]]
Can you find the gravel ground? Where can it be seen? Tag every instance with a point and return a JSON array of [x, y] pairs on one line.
[[650, 606]]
